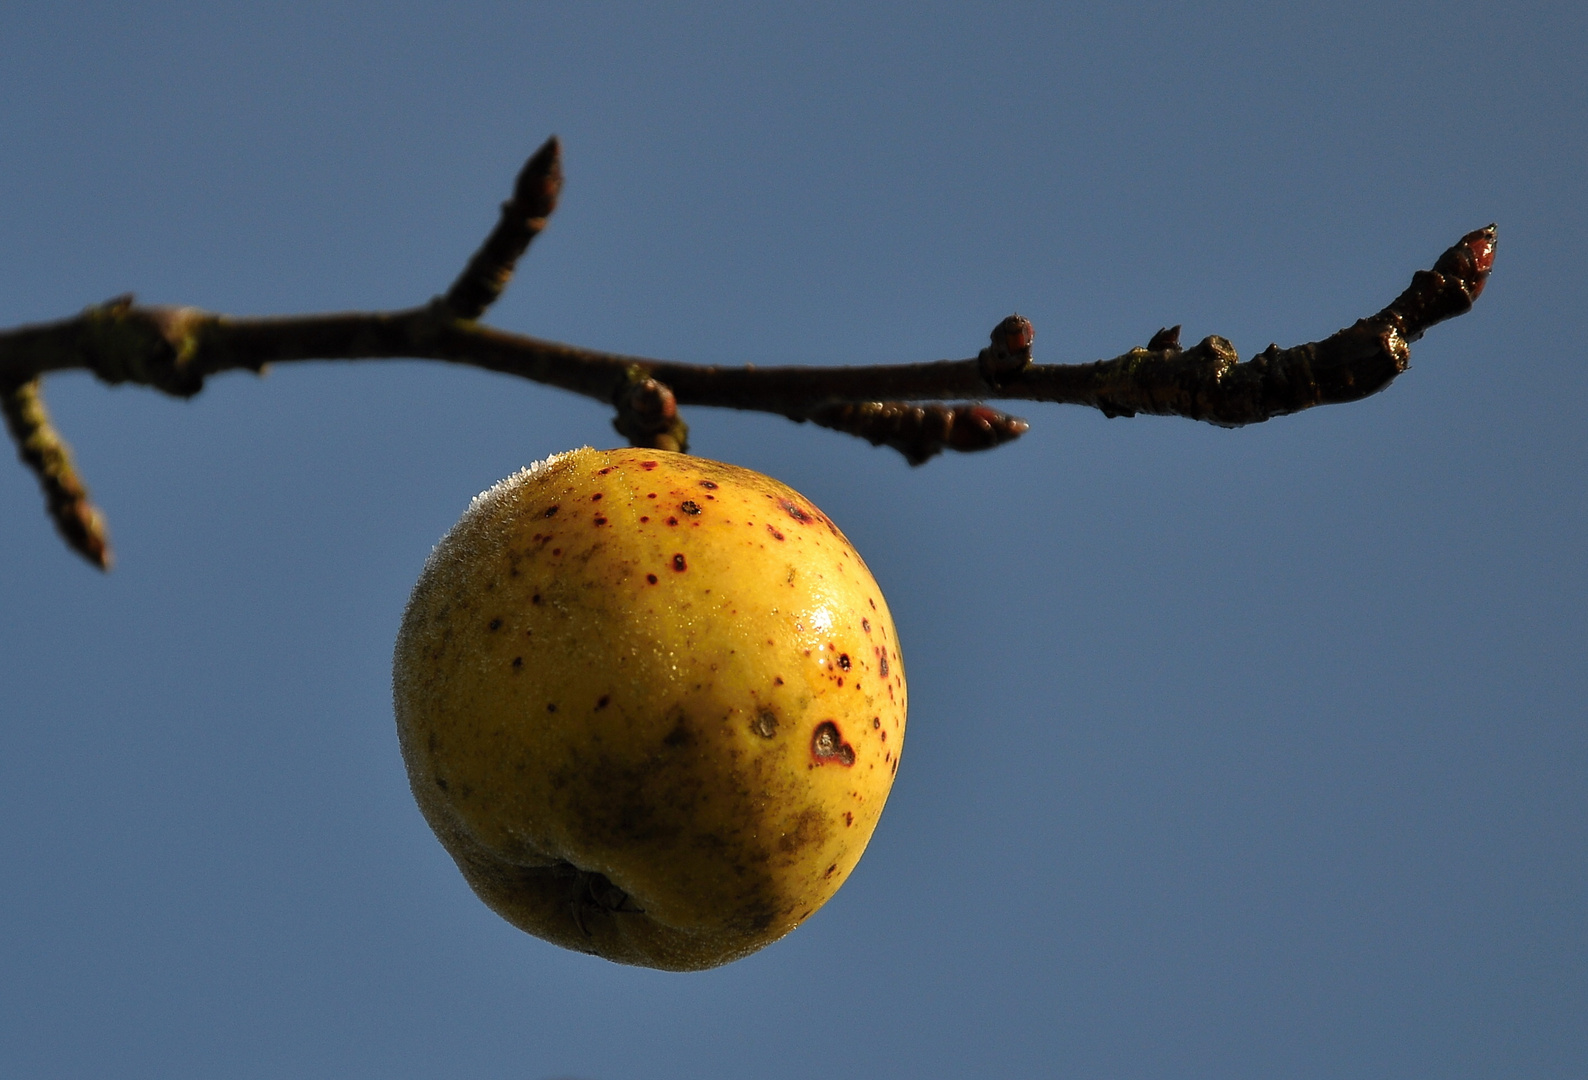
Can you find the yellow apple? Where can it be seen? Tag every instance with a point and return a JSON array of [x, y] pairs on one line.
[[651, 704]]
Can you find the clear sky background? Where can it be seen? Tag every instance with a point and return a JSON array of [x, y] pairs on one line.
[[1254, 753]]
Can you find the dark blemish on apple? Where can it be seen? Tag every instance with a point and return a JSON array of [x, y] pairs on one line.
[[494, 624], [882, 656], [872, 602], [765, 723], [895, 766], [865, 624], [518, 662], [794, 510], [440, 783], [551, 706], [849, 819], [827, 745], [775, 534], [643, 520], [678, 563], [884, 736], [831, 870], [679, 736], [809, 827], [596, 497], [647, 464], [843, 660], [550, 512], [535, 599], [604, 471], [840, 680], [777, 680], [556, 551], [690, 507], [603, 701], [709, 485], [651, 578], [672, 521], [876, 722], [599, 520]]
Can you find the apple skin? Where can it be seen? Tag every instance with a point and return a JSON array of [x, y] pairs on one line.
[[651, 704]]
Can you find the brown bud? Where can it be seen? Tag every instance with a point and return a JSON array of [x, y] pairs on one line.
[[648, 414], [651, 403], [1470, 260], [1010, 350], [1165, 340]]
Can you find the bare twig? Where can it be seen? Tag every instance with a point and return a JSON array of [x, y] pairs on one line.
[[175, 349], [44, 452], [523, 218], [920, 432]]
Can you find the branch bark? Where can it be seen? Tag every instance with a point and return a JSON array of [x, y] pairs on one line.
[[174, 349]]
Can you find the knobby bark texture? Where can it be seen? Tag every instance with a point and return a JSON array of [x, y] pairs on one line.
[[174, 349]]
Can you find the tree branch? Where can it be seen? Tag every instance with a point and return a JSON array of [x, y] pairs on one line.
[[175, 349]]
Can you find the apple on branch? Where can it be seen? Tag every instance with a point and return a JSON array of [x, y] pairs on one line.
[[651, 704]]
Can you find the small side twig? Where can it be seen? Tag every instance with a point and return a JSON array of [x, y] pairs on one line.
[[523, 217], [46, 454], [921, 432]]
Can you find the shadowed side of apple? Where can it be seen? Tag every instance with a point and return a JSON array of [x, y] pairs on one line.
[[651, 704]]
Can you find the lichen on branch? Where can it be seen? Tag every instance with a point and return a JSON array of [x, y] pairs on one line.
[[46, 454]]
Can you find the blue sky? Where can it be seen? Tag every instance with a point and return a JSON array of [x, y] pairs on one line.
[[1245, 753]]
